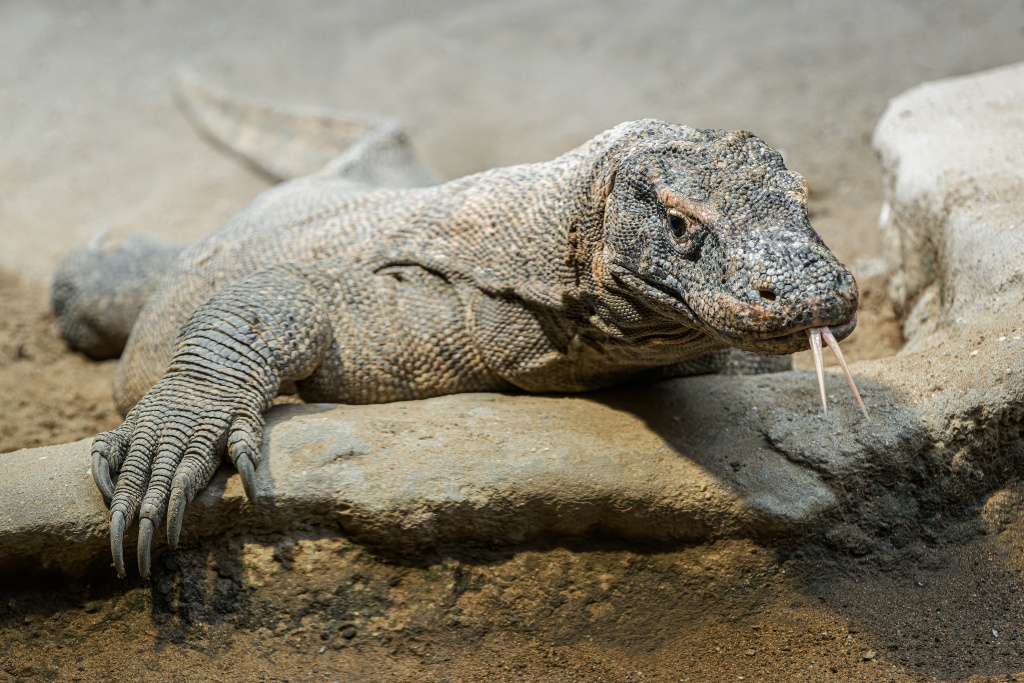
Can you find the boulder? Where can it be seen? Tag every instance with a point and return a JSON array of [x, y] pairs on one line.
[[951, 151], [676, 461]]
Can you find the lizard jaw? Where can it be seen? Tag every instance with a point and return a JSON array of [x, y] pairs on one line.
[[792, 339], [839, 332]]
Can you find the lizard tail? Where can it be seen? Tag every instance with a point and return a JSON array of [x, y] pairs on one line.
[[98, 290], [287, 142]]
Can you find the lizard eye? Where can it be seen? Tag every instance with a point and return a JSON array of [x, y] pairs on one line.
[[688, 233], [682, 225], [677, 224]]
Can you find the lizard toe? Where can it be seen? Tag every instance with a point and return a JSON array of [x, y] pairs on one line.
[[154, 503], [244, 449], [128, 493], [108, 453], [191, 475]]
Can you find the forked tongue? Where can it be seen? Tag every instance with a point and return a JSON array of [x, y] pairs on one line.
[[815, 335]]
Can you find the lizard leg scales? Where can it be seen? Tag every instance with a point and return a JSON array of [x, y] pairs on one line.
[[228, 364], [291, 322]]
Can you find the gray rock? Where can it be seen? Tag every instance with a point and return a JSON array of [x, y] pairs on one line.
[[952, 153], [685, 460]]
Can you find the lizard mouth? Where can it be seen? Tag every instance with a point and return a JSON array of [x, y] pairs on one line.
[[793, 336], [839, 332], [814, 335]]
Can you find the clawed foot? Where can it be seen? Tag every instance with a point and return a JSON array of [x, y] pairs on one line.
[[166, 451]]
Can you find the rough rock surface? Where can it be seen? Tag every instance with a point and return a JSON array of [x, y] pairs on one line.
[[709, 457], [952, 222]]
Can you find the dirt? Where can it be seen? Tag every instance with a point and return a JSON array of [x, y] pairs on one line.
[[51, 395], [315, 608]]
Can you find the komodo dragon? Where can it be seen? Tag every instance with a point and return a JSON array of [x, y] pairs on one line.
[[641, 253]]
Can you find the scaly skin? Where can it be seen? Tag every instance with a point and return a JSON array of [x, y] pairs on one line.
[[638, 254]]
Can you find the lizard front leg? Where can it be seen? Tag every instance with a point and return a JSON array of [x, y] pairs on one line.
[[342, 332], [229, 360]]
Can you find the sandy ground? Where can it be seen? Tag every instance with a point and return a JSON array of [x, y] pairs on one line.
[[308, 608], [51, 395], [92, 142]]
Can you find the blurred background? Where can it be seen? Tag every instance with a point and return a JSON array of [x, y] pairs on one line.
[[91, 139]]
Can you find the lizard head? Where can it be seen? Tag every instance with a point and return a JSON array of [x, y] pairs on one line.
[[711, 227]]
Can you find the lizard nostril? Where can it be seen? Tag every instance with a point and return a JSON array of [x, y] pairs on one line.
[[766, 294]]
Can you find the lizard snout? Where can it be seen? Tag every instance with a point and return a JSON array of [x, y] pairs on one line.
[[769, 306]]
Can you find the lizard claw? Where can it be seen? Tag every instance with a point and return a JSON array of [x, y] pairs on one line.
[[108, 454], [117, 541], [247, 473], [101, 475], [145, 542], [244, 449], [176, 510]]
